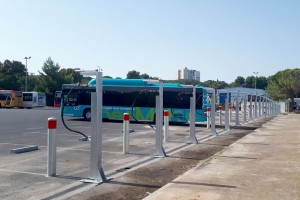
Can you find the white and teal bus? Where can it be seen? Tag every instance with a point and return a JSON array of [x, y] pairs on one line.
[[133, 96], [34, 99]]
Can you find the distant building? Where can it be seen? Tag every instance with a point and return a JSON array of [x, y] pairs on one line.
[[185, 73], [242, 92]]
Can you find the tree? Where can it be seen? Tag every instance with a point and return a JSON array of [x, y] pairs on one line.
[[133, 74], [250, 82], [32, 82], [136, 75], [239, 82], [85, 80], [52, 78], [183, 81], [12, 75], [69, 75], [261, 82], [145, 76], [216, 84], [284, 84], [12, 68]]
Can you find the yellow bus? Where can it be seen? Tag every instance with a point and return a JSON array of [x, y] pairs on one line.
[[11, 99]]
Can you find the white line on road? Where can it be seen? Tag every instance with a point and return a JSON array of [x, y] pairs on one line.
[[33, 132], [34, 128], [17, 144], [21, 172]]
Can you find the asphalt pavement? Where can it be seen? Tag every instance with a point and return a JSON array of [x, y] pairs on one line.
[[23, 176], [263, 165]]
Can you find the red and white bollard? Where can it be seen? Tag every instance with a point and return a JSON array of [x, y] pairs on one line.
[[166, 126], [51, 160], [126, 119]]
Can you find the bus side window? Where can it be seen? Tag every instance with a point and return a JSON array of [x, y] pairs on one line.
[[113, 98], [199, 99], [84, 98], [72, 99]]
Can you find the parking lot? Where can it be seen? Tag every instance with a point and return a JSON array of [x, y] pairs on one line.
[[24, 175]]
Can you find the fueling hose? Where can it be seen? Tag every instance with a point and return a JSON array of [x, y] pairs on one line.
[[63, 121], [132, 113]]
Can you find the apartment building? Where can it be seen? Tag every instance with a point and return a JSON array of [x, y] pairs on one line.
[[190, 74]]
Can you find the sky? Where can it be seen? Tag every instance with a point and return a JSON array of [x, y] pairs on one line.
[[222, 39]]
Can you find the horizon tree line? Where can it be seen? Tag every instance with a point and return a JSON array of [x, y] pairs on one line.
[[283, 85]]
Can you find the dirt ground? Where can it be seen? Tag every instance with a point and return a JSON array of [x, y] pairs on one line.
[[139, 183]]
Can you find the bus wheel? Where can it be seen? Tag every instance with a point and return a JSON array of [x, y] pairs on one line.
[[87, 114]]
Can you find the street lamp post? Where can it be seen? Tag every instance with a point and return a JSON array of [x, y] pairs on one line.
[[255, 79], [26, 58]]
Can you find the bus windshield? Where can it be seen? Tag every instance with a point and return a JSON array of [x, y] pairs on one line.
[[27, 97], [11, 98]]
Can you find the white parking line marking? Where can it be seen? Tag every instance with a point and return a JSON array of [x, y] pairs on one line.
[[31, 132], [34, 128], [20, 144], [22, 172]]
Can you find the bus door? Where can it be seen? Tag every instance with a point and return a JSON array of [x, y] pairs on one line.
[[18, 96]]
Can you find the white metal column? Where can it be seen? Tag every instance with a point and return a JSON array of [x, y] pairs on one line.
[[193, 138], [264, 106], [245, 108], [159, 150], [213, 113], [255, 107], [237, 115], [227, 112], [268, 106], [96, 171], [250, 108], [259, 106]]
